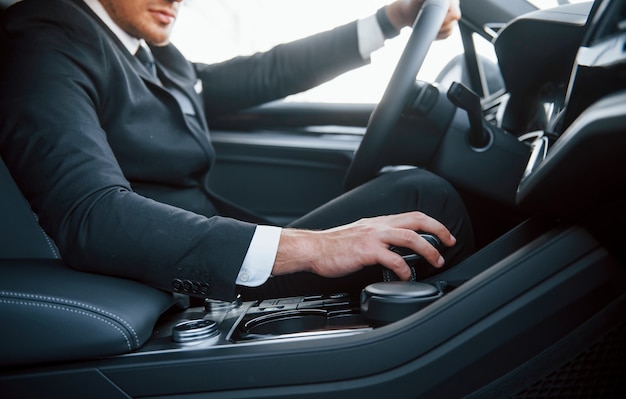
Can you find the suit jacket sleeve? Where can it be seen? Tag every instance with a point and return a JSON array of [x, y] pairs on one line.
[[51, 99], [284, 70]]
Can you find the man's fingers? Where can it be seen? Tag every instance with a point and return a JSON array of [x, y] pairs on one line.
[[416, 243], [396, 264], [420, 222], [449, 22]]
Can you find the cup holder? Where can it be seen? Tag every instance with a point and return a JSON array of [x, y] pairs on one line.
[[301, 323]]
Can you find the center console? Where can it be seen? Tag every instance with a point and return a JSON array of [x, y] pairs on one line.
[[220, 323]]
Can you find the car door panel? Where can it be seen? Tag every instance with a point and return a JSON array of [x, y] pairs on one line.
[[283, 159]]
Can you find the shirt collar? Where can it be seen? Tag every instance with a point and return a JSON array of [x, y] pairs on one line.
[[131, 43]]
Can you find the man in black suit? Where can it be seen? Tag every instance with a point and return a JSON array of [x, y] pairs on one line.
[[113, 152]]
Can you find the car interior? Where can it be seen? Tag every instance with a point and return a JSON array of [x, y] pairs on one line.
[[533, 143]]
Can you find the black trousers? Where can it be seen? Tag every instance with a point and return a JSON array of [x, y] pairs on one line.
[[391, 193]]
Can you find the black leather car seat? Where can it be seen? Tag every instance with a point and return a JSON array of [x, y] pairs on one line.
[[51, 312], [20, 234]]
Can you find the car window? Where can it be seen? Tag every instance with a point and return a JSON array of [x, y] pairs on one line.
[[545, 4], [216, 30], [213, 31]]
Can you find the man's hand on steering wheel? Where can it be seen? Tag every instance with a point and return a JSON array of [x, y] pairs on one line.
[[433, 19], [402, 13]]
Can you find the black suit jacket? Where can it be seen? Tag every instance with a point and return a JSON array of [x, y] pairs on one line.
[[114, 169]]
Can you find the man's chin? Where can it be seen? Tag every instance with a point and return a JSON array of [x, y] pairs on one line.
[[156, 34], [159, 40], [160, 44]]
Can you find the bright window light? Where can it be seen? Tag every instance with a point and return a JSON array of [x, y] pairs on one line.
[[216, 30]]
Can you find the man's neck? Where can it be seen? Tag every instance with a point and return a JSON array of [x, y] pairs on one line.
[[131, 43]]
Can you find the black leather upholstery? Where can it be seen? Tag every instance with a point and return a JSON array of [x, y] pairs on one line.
[[50, 312], [20, 234]]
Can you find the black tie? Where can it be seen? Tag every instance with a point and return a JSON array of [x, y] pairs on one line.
[[145, 57]]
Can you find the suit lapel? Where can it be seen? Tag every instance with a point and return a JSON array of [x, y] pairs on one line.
[[175, 68]]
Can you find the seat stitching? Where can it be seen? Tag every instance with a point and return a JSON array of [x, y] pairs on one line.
[[74, 303], [71, 310], [49, 241]]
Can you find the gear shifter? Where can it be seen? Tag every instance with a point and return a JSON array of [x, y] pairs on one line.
[[466, 99], [410, 257], [390, 300]]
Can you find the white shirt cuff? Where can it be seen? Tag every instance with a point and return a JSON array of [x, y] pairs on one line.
[[370, 36], [259, 261]]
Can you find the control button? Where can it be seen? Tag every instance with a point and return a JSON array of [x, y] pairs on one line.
[[214, 305], [336, 302], [311, 305], [284, 301], [269, 302], [194, 330]]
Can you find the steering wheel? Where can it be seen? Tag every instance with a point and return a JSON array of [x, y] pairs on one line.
[[398, 93]]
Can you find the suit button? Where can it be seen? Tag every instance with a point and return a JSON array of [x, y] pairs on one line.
[[187, 285], [177, 285], [205, 289], [195, 287]]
